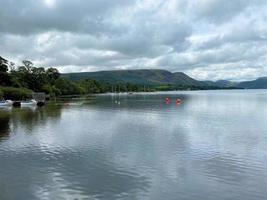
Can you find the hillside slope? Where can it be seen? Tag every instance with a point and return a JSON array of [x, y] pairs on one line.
[[158, 77], [260, 83], [148, 77]]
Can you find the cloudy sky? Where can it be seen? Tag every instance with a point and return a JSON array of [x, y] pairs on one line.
[[207, 39]]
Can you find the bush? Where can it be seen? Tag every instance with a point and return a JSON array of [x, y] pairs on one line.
[[15, 93]]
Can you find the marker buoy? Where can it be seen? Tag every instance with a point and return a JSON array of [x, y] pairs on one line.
[[178, 101], [167, 100]]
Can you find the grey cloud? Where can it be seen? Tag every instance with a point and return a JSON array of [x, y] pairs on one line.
[[199, 37], [246, 53], [219, 11], [248, 32], [231, 72], [29, 16]]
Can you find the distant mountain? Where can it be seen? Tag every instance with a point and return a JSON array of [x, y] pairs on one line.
[[157, 77], [146, 76], [225, 83], [260, 83], [222, 83]]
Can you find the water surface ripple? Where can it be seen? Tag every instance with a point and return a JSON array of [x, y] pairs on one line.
[[212, 146]]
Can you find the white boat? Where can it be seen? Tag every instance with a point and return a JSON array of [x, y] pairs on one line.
[[28, 103], [6, 103]]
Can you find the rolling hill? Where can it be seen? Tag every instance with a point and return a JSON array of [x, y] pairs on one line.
[[260, 83], [157, 77], [146, 77]]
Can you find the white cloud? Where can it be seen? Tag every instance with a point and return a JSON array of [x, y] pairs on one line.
[[201, 37]]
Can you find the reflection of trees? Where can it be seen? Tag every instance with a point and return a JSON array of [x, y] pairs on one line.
[[27, 118], [4, 124], [30, 118]]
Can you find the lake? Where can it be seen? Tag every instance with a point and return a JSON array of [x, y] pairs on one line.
[[211, 146]]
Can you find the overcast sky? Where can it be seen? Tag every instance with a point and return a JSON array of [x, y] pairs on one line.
[[207, 39]]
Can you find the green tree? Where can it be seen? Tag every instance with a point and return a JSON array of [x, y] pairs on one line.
[[52, 73], [28, 65], [3, 65], [4, 76]]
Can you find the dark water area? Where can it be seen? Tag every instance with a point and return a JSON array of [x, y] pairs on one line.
[[211, 146]]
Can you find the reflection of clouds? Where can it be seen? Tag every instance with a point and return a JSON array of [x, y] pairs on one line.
[[53, 189], [144, 149], [68, 173]]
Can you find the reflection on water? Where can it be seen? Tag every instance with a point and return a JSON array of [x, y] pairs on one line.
[[27, 118], [4, 125], [212, 146]]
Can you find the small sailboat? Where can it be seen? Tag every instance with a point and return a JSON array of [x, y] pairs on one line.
[[32, 102], [6, 103]]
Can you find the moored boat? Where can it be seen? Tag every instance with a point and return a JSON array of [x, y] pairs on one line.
[[6, 103], [32, 102]]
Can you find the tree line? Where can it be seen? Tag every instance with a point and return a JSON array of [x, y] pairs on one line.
[[18, 82]]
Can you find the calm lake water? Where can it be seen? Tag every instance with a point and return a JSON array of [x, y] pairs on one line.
[[212, 146]]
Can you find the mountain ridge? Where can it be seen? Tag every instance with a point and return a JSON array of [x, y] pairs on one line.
[[156, 77], [141, 76]]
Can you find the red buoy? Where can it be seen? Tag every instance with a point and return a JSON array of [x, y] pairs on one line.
[[167, 100], [178, 101]]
